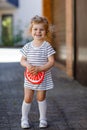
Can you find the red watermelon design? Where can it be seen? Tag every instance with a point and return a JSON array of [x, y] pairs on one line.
[[34, 79]]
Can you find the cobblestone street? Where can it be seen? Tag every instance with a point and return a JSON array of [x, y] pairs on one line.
[[67, 102]]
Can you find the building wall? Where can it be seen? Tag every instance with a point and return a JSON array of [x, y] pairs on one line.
[[58, 7], [81, 41], [47, 9], [61, 13]]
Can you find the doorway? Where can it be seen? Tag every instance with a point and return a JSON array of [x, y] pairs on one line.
[[7, 31]]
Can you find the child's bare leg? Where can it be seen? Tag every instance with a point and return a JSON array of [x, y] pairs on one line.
[[28, 97], [41, 95], [41, 98]]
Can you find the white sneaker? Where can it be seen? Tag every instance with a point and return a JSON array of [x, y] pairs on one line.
[[25, 124], [43, 124]]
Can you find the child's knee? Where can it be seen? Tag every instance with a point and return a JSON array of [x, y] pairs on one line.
[[27, 99], [41, 95], [40, 98]]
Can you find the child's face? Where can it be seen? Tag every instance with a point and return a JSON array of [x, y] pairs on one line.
[[38, 31]]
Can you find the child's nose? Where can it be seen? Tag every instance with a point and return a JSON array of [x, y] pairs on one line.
[[39, 30]]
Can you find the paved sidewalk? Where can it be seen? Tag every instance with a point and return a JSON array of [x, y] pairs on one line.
[[67, 102]]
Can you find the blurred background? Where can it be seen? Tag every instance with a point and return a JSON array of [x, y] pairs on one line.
[[68, 19]]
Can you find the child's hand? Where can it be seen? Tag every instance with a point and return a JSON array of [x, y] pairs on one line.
[[30, 68], [35, 70]]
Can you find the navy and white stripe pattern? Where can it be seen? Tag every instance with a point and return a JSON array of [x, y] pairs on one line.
[[39, 56]]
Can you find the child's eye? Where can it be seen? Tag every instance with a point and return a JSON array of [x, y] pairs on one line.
[[41, 29], [35, 29]]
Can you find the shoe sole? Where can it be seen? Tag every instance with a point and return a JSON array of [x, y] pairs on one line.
[[44, 127], [25, 127]]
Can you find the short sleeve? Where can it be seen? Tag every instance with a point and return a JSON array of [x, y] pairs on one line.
[[50, 50], [24, 50]]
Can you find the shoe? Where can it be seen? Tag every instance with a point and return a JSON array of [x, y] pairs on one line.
[[25, 124], [43, 124]]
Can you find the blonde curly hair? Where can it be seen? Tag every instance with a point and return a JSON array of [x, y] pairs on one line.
[[41, 19], [36, 20]]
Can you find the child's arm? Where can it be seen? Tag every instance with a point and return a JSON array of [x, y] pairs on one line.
[[24, 63], [46, 66]]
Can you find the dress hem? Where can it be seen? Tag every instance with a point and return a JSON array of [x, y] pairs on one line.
[[37, 88]]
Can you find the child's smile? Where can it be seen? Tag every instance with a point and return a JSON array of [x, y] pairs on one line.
[[38, 32]]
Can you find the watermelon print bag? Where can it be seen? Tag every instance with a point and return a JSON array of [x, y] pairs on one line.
[[34, 79]]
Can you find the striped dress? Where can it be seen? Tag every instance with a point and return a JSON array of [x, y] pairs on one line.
[[38, 56]]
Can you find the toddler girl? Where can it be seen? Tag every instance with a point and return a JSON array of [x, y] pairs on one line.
[[37, 56]]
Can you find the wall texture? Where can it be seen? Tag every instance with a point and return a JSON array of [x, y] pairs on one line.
[[81, 41], [58, 7]]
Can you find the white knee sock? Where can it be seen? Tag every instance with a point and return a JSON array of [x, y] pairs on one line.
[[25, 110], [42, 109]]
